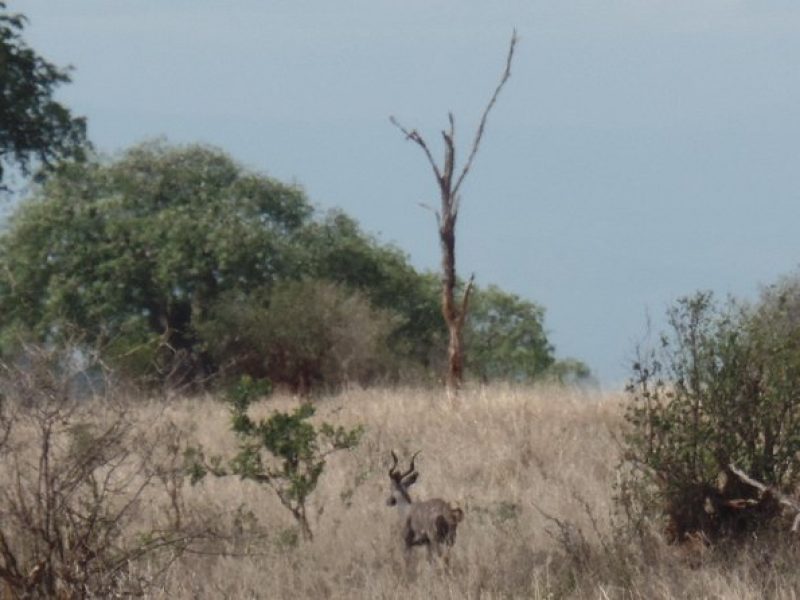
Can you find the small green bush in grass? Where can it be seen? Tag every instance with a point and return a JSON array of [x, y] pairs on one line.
[[285, 451]]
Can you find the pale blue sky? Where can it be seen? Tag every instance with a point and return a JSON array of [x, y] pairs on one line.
[[641, 150]]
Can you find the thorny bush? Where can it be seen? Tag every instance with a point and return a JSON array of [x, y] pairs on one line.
[[75, 476]]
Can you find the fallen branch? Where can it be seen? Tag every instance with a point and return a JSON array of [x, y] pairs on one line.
[[783, 499]]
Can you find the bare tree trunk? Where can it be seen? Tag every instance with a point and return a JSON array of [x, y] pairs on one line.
[[454, 313]]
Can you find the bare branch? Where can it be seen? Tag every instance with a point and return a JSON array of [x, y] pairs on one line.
[[415, 137], [747, 479], [569, 535], [446, 181], [434, 211], [479, 133], [455, 204], [465, 299], [454, 314], [764, 489]]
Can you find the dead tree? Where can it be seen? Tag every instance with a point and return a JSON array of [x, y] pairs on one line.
[[449, 182]]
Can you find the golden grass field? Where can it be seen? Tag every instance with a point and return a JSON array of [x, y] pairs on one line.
[[534, 468], [508, 456]]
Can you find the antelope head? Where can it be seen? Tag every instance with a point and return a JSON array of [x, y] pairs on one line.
[[401, 481]]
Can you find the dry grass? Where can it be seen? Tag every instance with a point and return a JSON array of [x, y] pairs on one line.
[[511, 457]]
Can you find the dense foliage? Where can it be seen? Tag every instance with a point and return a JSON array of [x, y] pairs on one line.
[[720, 390], [175, 264], [133, 252], [338, 251], [306, 333], [505, 337], [33, 126]]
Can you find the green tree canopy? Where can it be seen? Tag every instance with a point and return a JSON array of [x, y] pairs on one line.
[[134, 251], [33, 126], [505, 337], [338, 250]]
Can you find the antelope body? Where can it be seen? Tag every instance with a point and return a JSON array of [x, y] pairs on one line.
[[431, 523]]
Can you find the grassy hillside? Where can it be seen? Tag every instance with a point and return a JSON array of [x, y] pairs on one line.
[[533, 468]]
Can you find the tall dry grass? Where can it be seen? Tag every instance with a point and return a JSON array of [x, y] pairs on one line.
[[534, 469]]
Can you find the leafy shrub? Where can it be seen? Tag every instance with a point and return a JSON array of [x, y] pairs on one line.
[[568, 371], [173, 263], [285, 451], [505, 340], [720, 389], [337, 250], [304, 334]]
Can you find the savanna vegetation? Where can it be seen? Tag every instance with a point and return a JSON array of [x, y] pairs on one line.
[[535, 469], [202, 379], [178, 267]]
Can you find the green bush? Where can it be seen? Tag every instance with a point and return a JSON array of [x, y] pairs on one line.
[[135, 254], [720, 389], [304, 334], [337, 250], [173, 264], [285, 451]]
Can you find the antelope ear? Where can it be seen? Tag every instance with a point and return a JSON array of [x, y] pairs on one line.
[[411, 479]]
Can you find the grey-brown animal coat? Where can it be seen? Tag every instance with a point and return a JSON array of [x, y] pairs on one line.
[[432, 523]]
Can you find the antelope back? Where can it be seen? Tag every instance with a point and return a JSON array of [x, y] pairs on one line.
[[435, 520]]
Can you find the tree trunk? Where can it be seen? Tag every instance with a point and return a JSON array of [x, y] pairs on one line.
[[454, 313]]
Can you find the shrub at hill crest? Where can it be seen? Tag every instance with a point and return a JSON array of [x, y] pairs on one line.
[[720, 390]]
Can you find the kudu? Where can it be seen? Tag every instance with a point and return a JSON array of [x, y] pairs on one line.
[[431, 523]]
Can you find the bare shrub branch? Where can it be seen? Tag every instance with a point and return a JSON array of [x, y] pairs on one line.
[[78, 473]]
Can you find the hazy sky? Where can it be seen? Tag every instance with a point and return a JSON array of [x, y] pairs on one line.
[[641, 150]]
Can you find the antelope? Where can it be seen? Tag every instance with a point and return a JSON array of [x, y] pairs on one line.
[[431, 523]]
